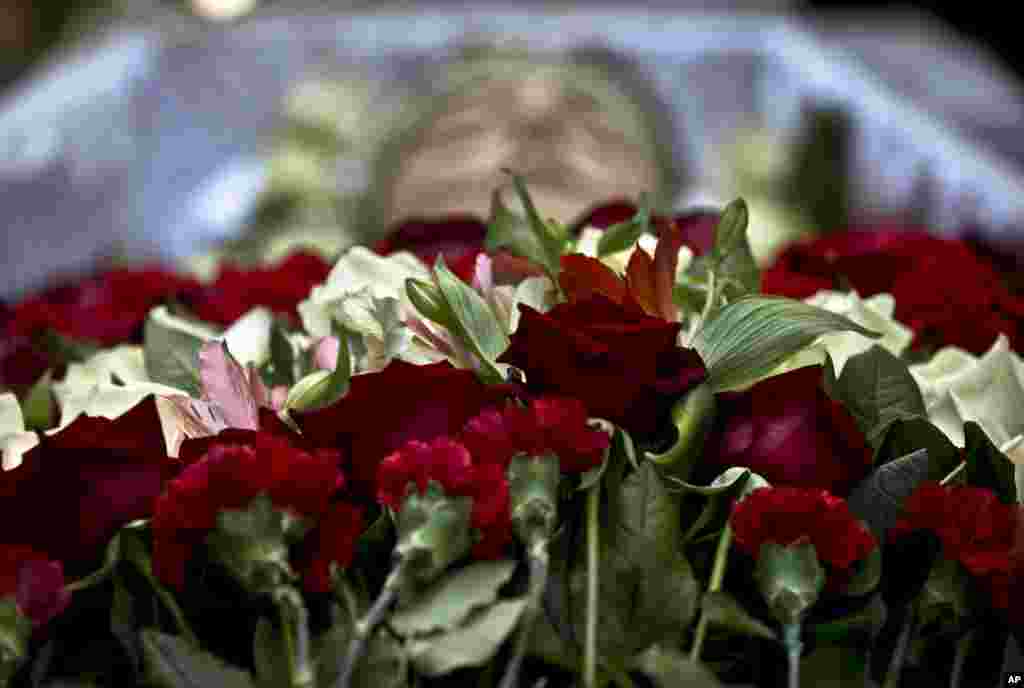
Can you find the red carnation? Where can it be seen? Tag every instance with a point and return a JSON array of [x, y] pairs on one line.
[[333, 540], [913, 266], [228, 476], [985, 535], [450, 464], [76, 488], [35, 582], [787, 429], [385, 409], [279, 287], [785, 515]]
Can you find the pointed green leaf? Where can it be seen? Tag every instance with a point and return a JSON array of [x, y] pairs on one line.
[[878, 499], [171, 347], [731, 230], [477, 324], [987, 466], [623, 235], [38, 407], [668, 668], [324, 387], [473, 644], [878, 389], [525, 237], [447, 603], [282, 357], [749, 338], [171, 663], [722, 609]]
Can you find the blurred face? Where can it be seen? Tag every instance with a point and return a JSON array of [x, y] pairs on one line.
[[572, 148]]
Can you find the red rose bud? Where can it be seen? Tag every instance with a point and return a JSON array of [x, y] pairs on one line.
[[34, 581], [983, 534], [788, 515], [228, 476], [279, 287]]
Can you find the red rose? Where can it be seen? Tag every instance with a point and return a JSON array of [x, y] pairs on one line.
[[228, 476], [76, 488], [108, 308], [459, 239], [385, 409], [788, 430], [549, 424], [35, 582], [969, 311], [449, 463], [985, 535], [622, 364], [785, 515], [278, 287]]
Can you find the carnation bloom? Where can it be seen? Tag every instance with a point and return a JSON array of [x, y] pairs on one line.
[[460, 474], [236, 467], [787, 515], [34, 581], [279, 287], [985, 535]]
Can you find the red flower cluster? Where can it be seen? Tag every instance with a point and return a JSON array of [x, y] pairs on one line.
[[244, 464], [108, 308], [785, 515], [461, 475], [915, 267], [35, 582], [551, 424], [602, 349], [788, 430], [977, 530], [459, 239], [278, 287], [76, 488]]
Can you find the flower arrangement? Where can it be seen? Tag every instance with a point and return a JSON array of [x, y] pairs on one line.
[[514, 453]]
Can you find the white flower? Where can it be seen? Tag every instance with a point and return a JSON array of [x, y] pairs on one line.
[[14, 439], [618, 261]]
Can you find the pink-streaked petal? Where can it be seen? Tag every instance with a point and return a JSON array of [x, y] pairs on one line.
[[225, 384], [260, 393], [325, 353], [422, 330], [483, 273]]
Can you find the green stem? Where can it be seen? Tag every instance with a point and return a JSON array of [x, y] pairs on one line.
[[593, 551], [709, 303], [538, 581], [954, 473], [963, 648], [714, 585], [895, 670], [692, 416], [791, 639], [295, 630], [366, 625], [180, 622], [621, 677]]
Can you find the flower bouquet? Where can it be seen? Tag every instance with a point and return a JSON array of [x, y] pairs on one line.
[[516, 453]]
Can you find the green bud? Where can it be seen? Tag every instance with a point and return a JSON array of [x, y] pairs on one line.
[[433, 532], [790, 579], [430, 302], [533, 488]]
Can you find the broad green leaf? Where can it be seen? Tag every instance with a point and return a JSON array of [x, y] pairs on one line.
[[648, 515], [790, 579], [447, 603], [506, 230], [878, 499], [622, 236], [878, 389], [477, 323], [385, 664], [269, 658], [171, 663], [323, 387], [731, 230], [668, 668], [473, 644], [722, 609], [38, 406], [171, 348], [987, 466], [749, 338]]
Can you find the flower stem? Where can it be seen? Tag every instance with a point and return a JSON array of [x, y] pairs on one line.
[[895, 670], [963, 648], [295, 627], [593, 550], [172, 606], [538, 581], [791, 639], [709, 303], [366, 625], [954, 473], [714, 585]]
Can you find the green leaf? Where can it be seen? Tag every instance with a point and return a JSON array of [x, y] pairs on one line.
[[866, 622], [987, 466], [867, 574], [429, 301], [669, 668], [476, 322], [269, 658], [749, 338], [38, 407], [447, 603], [171, 348], [878, 389], [693, 417], [878, 499], [324, 387], [473, 644], [385, 664], [734, 481], [790, 579], [623, 235], [945, 597], [722, 609], [527, 238], [731, 230], [171, 663], [282, 356]]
